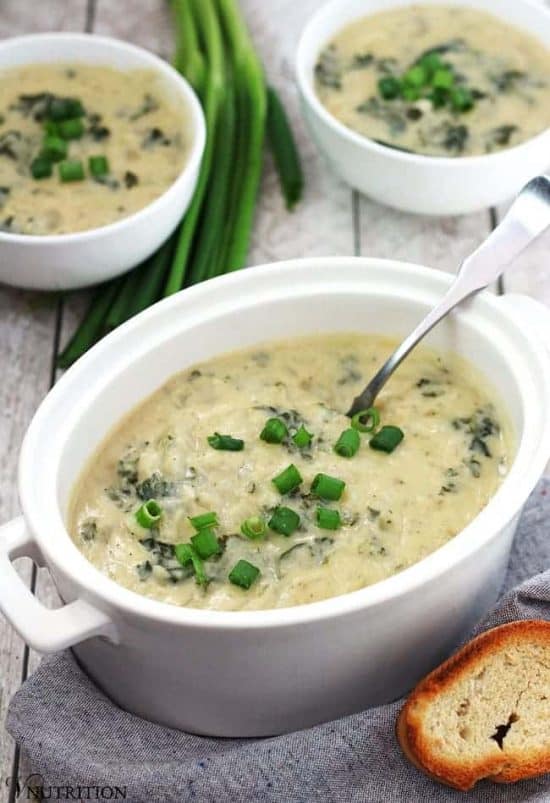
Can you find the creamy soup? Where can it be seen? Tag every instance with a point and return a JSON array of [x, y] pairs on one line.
[[300, 538], [82, 146], [437, 80]]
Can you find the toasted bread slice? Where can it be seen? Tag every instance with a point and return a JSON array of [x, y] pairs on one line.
[[484, 713]]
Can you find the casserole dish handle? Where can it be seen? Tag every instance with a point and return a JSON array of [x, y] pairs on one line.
[[43, 629]]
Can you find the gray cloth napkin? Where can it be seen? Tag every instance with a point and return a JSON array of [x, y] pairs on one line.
[[74, 736]]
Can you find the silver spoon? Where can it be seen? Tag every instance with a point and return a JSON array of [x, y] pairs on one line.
[[527, 219]]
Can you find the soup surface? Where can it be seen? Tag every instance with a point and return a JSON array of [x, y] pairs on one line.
[[128, 137], [396, 507], [437, 80]]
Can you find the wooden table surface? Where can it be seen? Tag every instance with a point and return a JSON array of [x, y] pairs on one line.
[[332, 220]]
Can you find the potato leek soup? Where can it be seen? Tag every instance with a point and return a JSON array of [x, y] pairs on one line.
[[240, 484], [82, 146], [437, 80]]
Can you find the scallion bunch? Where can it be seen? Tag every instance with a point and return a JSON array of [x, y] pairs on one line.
[[216, 55]]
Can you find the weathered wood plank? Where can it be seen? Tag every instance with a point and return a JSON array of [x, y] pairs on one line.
[[530, 273], [26, 335], [17, 18], [437, 242]]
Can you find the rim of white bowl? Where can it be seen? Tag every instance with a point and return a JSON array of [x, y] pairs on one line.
[[305, 84], [171, 76], [485, 527]]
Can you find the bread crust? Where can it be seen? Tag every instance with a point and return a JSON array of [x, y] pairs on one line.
[[416, 745]]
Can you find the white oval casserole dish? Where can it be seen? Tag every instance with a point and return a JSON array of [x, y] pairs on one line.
[[414, 182], [257, 673], [82, 258]]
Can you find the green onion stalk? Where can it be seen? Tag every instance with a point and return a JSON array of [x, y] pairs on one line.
[[251, 102], [206, 22]]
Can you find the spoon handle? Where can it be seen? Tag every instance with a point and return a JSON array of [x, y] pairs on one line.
[[527, 219]]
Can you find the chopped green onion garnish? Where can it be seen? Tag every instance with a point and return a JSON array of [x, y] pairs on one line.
[[254, 527], [284, 521], [186, 555], [443, 79], [328, 487], [288, 479], [65, 108], [431, 62], [348, 443], [71, 129], [366, 420], [71, 170], [389, 87], [206, 544], [98, 165], [411, 93], [302, 437], [416, 77], [204, 520], [53, 148], [226, 443], [51, 128], [274, 431], [386, 439], [149, 514], [328, 519], [41, 168], [243, 574]]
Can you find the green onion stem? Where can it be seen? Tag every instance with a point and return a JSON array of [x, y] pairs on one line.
[[216, 202], [186, 554], [209, 519], [327, 519], [274, 431], [152, 279], [71, 170], [327, 487], [287, 480], [302, 438], [348, 443], [283, 147], [141, 287], [225, 443], [91, 327], [206, 544], [98, 165], [243, 574], [41, 168], [366, 420], [251, 115], [123, 299], [207, 24], [254, 527], [188, 59], [387, 439], [284, 521], [149, 514]]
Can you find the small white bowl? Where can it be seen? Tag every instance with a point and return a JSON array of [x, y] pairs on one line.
[[413, 182], [68, 261]]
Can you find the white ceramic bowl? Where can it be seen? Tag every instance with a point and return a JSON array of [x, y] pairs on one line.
[[67, 261], [412, 182], [253, 673]]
